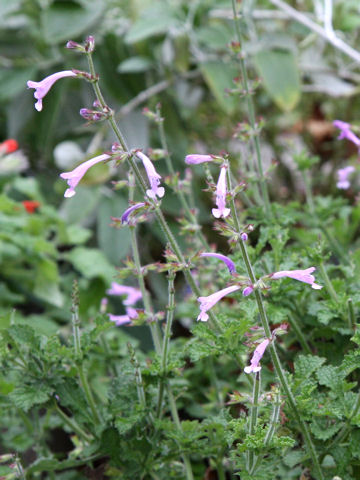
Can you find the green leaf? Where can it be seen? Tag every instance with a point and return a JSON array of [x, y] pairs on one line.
[[26, 396], [330, 376], [47, 283], [13, 81], [280, 75], [91, 263], [114, 242], [219, 76], [305, 365], [68, 19], [135, 65]]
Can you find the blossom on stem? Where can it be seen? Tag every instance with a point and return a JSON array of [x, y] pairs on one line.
[[9, 146], [221, 191], [229, 263], [257, 356], [42, 88], [74, 177], [196, 159], [132, 294], [119, 319], [343, 174], [125, 215], [300, 275], [248, 290], [208, 302], [153, 176], [346, 132]]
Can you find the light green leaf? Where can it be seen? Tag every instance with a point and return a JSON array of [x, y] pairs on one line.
[[12, 82], [280, 75], [135, 65], [91, 263], [219, 76]]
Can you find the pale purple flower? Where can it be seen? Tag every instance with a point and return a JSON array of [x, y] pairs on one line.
[[132, 294], [248, 290], [244, 237], [346, 132], [208, 302], [195, 159], [119, 319], [221, 191], [42, 88], [74, 177], [300, 275], [125, 215], [153, 176], [343, 174], [229, 263], [257, 356]]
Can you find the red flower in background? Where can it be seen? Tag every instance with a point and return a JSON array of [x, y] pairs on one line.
[[31, 205], [9, 146]]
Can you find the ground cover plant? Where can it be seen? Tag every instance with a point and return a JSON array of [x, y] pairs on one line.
[[188, 310]]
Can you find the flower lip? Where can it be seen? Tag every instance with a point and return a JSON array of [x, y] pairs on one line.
[[228, 262], [74, 177], [221, 192], [153, 176], [42, 88]]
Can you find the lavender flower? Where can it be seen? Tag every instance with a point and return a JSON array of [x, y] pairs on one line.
[[343, 174], [229, 263], [74, 177], [257, 356], [42, 88], [195, 159], [133, 294], [119, 319], [346, 132], [208, 302], [153, 176], [125, 215], [244, 237], [248, 290], [300, 275], [221, 191]]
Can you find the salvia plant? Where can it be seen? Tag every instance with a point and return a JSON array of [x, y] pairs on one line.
[[261, 379]]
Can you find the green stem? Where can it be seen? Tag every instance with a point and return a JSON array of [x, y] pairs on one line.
[[252, 119], [328, 283], [273, 351], [253, 416], [138, 376], [351, 315], [73, 425], [299, 334]]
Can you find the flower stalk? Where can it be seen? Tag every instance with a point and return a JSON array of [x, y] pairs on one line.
[[253, 416]]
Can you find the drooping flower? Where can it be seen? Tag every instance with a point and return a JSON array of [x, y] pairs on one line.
[[343, 174], [346, 132], [128, 211], [221, 191], [74, 177], [196, 159], [132, 294], [42, 88], [153, 176], [300, 275], [229, 263], [257, 356], [208, 302]]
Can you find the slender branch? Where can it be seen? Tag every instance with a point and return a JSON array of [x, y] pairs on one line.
[[253, 417], [72, 424]]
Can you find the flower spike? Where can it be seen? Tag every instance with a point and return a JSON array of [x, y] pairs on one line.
[[42, 88], [74, 177], [257, 356], [221, 191], [153, 176], [208, 302], [300, 275], [229, 263]]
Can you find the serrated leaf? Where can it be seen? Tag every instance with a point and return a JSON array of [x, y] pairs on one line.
[[280, 75], [305, 365], [26, 396], [323, 430], [329, 376]]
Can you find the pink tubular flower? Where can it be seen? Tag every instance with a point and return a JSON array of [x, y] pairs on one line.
[[343, 174], [257, 356], [208, 302], [195, 159], [248, 290], [346, 132], [301, 275], [119, 319], [221, 191], [128, 211], [132, 294], [229, 263], [153, 176], [74, 177], [42, 88]]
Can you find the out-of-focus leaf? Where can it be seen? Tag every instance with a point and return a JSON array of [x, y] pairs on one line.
[[47, 283], [14, 81], [67, 19], [135, 65], [78, 208], [219, 76], [91, 263], [115, 243], [280, 75]]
